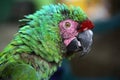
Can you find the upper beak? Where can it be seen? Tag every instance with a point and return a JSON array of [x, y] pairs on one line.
[[86, 41]]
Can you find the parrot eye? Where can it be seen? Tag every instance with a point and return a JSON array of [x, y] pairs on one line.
[[67, 24]]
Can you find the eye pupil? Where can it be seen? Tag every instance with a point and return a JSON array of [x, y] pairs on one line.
[[67, 24]]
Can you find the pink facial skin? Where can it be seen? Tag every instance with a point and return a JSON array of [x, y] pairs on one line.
[[68, 33]]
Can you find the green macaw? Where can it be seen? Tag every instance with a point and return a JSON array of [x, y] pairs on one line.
[[46, 37]]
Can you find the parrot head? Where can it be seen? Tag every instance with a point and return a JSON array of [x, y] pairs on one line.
[[76, 32], [76, 36]]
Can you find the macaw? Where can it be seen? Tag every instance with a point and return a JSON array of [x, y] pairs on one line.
[[44, 39]]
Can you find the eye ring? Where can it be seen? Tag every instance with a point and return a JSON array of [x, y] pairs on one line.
[[67, 24]]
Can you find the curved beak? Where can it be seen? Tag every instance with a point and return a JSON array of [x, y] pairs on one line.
[[82, 43], [86, 41]]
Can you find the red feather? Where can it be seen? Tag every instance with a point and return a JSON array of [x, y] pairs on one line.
[[85, 25]]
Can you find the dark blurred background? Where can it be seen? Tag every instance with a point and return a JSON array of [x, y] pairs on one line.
[[102, 63]]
